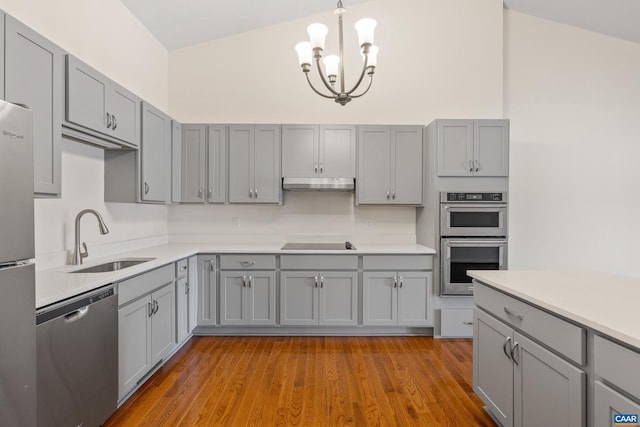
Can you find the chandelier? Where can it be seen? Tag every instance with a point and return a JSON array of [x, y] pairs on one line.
[[334, 64]]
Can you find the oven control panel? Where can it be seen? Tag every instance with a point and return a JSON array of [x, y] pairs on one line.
[[473, 197]]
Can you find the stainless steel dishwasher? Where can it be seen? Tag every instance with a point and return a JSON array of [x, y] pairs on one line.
[[77, 360]]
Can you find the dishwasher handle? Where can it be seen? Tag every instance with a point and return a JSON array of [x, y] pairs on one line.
[[76, 315]]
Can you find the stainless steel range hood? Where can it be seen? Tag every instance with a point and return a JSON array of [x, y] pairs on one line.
[[318, 184]]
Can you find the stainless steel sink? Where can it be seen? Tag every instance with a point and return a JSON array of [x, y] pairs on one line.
[[113, 265]]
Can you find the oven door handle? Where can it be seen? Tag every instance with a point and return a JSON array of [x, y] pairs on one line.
[[487, 242], [468, 206]]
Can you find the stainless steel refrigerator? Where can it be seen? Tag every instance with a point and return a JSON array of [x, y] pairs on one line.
[[17, 269]]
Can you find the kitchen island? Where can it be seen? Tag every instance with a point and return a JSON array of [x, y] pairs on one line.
[[556, 348]]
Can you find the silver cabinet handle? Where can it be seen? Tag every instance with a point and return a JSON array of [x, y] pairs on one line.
[[315, 168], [248, 263], [511, 313], [395, 282], [210, 193], [149, 309], [387, 195], [321, 167], [109, 121], [183, 268], [393, 195], [316, 281], [250, 193], [211, 266], [244, 281], [470, 165], [504, 347], [467, 323], [155, 302], [200, 193], [186, 288], [322, 281], [146, 188], [477, 165], [255, 193], [250, 280], [115, 123], [513, 352], [401, 281]]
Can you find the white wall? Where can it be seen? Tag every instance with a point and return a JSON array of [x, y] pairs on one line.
[[437, 58], [104, 34], [573, 97]]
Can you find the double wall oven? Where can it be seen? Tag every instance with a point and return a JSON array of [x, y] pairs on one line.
[[473, 236]]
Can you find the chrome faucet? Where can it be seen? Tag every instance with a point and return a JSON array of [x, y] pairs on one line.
[[79, 254]]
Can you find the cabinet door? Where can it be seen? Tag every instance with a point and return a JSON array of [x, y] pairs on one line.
[[298, 298], [337, 151], [87, 91], [374, 165], [134, 344], [182, 310], [192, 288], [267, 185], [607, 403], [176, 162], [124, 108], [194, 142], [261, 301], [492, 366], [414, 298], [300, 151], [406, 158], [338, 298], [233, 303], [33, 77], [491, 147], [547, 390], [163, 323], [156, 138], [240, 164], [217, 164], [2, 63], [380, 298], [455, 147], [207, 290]]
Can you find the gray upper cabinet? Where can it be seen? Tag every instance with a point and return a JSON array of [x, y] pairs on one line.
[[2, 16], [473, 147], [176, 162], [33, 74], [254, 164], [318, 151], [389, 165], [97, 104], [203, 163], [155, 151]]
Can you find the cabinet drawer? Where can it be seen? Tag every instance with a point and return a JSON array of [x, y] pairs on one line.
[[145, 283], [560, 335], [319, 262], [248, 262], [617, 364], [397, 262], [181, 268], [456, 323]]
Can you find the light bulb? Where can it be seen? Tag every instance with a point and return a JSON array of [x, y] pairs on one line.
[[365, 28], [304, 53]]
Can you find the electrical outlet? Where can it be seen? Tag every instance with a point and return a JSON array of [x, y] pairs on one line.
[[235, 222]]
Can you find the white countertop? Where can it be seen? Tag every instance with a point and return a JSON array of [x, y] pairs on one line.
[[60, 283], [606, 303]]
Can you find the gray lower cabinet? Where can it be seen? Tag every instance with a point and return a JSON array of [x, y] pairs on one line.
[[608, 403], [389, 165], [327, 151], [33, 76], [99, 106], [186, 297], [472, 147], [254, 164], [521, 382], [397, 298], [207, 290], [203, 163], [146, 325], [319, 298], [248, 297]]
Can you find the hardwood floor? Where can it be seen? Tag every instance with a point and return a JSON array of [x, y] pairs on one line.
[[310, 381]]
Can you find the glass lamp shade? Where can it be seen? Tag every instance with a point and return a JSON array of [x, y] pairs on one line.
[[317, 35], [331, 65], [304, 52], [373, 56], [365, 28]]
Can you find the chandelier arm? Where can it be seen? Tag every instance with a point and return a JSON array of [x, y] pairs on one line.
[[366, 90], [324, 80], [364, 70], [315, 90]]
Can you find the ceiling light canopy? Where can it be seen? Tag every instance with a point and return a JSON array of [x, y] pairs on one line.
[[334, 65]]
